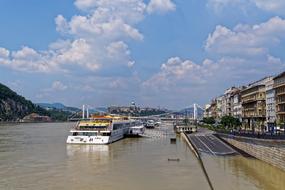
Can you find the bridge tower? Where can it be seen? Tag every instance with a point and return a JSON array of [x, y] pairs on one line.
[[195, 111], [83, 111]]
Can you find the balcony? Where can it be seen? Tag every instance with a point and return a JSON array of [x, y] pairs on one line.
[[248, 101], [281, 102], [279, 85], [251, 100], [280, 93], [248, 109], [254, 115]]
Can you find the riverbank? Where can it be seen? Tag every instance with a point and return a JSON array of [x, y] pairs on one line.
[[268, 150], [18, 122], [265, 147]]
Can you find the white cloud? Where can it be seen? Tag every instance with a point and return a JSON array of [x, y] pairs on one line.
[[30, 60], [175, 71], [273, 6], [219, 5], [180, 81], [58, 86], [131, 64], [277, 6], [61, 24], [238, 56], [27, 59], [247, 40], [116, 48], [85, 4], [75, 53], [4, 53], [274, 60], [119, 51], [131, 11], [160, 6], [94, 40]]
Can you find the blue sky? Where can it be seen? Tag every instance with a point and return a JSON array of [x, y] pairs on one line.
[[167, 53]]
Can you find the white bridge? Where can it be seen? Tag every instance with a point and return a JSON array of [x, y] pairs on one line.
[[171, 115]]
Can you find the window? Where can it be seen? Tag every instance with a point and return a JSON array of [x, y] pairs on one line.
[[117, 126]]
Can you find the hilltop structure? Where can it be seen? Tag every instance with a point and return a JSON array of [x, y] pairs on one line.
[[135, 110]]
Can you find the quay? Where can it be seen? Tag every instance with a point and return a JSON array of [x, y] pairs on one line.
[[205, 141], [271, 151]]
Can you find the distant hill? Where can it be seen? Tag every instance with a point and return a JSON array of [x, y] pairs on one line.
[[14, 107], [98, 109], [190, 111], [53, 105], [58, 106]]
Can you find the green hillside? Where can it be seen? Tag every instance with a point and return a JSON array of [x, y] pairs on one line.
[[14, 107]]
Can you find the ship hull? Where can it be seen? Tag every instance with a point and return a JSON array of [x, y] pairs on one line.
[[115, 136]]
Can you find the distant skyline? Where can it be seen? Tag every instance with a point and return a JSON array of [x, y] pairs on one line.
[[167, 53]]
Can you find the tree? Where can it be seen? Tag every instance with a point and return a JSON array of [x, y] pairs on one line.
[[230, 122], [209, 120]]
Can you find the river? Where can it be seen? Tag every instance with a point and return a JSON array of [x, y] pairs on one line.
[[36, 157]]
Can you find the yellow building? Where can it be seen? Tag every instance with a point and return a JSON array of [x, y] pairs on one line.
[[279, 86], [253, 100]]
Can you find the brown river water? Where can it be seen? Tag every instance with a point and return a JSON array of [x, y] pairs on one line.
[[36, 157]]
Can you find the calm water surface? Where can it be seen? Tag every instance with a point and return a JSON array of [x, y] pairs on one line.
[[35, 157]]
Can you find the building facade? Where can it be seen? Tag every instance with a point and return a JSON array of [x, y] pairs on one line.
[[253, 100], [219, 106], [232, 102], [270, 105], [213, 109], [207, 111], [236, 105], [279, 87]]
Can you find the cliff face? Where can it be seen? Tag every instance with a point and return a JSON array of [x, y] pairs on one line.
[[14, 107]]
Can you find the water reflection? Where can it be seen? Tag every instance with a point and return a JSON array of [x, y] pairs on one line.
[[98, 150], [263, 175], [238, 172]]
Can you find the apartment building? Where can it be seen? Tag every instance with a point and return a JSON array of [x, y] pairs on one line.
[[279, 87], [232, 103], [236, 105], [253, 100], [207, 111], [270, 105], [213, 108], [219, 106]]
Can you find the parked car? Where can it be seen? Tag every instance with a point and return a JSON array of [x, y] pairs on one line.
[[150, 124], [157, 123]]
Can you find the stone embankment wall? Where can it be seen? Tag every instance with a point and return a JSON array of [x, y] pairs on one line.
[[270, 151]]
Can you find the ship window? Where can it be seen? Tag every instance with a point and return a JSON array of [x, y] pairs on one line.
[[117, 126], [92, 127], [86, 134]]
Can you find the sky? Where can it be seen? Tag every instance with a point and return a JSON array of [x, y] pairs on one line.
[[159, 53]]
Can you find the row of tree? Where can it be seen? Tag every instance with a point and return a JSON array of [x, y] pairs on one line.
[[228, 122]]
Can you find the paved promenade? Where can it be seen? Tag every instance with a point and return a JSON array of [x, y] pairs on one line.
[[205, 141]]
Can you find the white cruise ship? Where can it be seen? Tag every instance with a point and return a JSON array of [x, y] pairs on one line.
[[101, 130]]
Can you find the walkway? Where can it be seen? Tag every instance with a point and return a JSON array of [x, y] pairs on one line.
[[205, 141]]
